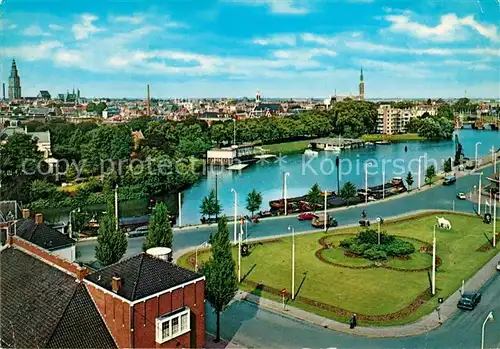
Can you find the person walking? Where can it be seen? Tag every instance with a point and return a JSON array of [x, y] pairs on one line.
[[353, 321]]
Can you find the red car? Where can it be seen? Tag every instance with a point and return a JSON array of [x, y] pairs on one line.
[[306, 216]]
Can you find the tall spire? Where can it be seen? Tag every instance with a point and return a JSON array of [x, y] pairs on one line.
[[14, 82], [13, 70], [361, 75], [361, 86]]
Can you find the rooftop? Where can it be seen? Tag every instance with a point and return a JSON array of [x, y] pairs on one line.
[[142, 276], [44, 307], [42, 235]]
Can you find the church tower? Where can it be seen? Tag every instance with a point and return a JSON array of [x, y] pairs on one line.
[[257, 97], [361, 86], [14, 83]]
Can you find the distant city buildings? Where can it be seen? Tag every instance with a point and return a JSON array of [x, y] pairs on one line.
[[14, 83]]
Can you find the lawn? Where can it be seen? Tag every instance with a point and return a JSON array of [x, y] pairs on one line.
[[287, 147], [384, 137], [374, 291]]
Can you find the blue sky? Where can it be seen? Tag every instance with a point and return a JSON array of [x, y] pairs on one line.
[[231, 48]]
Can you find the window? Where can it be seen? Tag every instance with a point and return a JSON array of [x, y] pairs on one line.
[[172, 325]]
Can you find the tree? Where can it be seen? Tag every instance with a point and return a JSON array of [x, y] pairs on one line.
[[91, 107], [221, 283], [210, 205], [111, 243], [348, 191], [430, 174], [100, 107], [160, 232], [447, 165], [254, 200], [409, 179], [314, 196]]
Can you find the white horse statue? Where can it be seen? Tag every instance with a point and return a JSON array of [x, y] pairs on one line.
[[443, 223]]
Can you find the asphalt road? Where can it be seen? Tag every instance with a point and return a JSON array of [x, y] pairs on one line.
[[250, 326], [440, 197]]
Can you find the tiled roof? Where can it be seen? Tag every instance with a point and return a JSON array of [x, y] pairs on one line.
[[42, 235], [142, 276], [41, 305]]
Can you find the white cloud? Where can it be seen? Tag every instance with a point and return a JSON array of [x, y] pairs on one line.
[[304, 54], [405, 69], [285, 7], [318, 39], [67, 57], [450, 28], [85, 28], [43, 50], [34, 30], [135, 19], [55, 27], [277, 39]]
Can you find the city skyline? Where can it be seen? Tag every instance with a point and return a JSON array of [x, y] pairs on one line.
[[232, 48]]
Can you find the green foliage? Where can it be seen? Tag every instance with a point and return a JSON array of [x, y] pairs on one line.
[[254, 201], [314, 196], [447, 167], [159, 232], [100, 107], [42, 190], [210, 205], [409, 179], [78, 220], [91, 107], [365, 245], [445, 111], [221, 281], [348, 191], [430, 174], [111, 243], [432, 127]]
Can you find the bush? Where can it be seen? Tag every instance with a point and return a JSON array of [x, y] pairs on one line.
[[348, 242], [375, 254], [400, 248]]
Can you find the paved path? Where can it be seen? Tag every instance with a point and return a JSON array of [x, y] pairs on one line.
[[427, 323]]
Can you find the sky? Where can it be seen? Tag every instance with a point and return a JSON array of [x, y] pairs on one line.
[[232, 48]]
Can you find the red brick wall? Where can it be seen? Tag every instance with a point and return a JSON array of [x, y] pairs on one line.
[[115, 313], [145, 314]]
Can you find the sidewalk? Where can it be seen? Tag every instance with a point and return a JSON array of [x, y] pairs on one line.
[[209, 343], [427, 323]]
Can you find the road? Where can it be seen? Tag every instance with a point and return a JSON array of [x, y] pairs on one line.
[[440, 197], [250, 326]]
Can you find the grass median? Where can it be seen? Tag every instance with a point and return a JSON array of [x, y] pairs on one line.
[[375, 291]]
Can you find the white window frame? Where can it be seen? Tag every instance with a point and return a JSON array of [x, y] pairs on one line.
[[168, 318]]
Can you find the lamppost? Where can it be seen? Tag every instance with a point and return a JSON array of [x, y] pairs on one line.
[[366, 179], [479, 195], [475, 157], [419, 171], [379, 221], [235, 212], [285, 191], [292, 230], [71, 221], [488, 318], [434, 262], [180, 209], [495, 219], [239, 251], [324, 212], [203, 244]]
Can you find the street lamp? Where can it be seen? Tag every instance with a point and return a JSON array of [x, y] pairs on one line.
[[419, 171], [488, 318], [495, 219], [71, 221], [366, 179], [285, 191], [324, 212], [434, 262], [292, 230], [203, 244], [479, 195], [475, 157], [235, 213]]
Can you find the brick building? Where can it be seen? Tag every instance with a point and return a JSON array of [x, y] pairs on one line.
[[140, 302]]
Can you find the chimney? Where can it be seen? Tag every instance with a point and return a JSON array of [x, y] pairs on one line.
[[38, 218], [26, 213], [116, 283], [148, 107], [81, 272]]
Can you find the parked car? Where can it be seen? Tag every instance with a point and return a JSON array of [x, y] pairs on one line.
[[306, 216], [461, 196], [469, 300], [140, 231], [364, 223]]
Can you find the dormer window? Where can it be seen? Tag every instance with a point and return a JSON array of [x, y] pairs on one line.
[[172, 325]]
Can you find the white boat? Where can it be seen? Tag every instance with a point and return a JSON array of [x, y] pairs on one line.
[[310, 152], [333, 148]]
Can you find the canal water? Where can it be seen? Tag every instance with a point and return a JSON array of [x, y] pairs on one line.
[[267, 176]]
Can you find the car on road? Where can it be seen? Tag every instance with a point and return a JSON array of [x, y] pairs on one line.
[[140, 231], [449, 180], [461, 196], [498, 266], [469, 300], [306, 216]]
